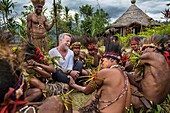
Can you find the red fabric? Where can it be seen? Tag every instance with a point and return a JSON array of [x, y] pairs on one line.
[[134, 42], [125, 59], [9, 106], [91, 46], [38, 55], [111, 53], [167, 54]]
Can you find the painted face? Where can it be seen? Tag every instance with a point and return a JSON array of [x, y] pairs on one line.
[[134, 47], [39, 57], [91, 51], [168, 46], [105, 63], [38, 9], [76, 51]]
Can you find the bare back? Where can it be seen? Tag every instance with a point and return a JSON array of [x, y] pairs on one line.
[[155, 84], [113, 91]]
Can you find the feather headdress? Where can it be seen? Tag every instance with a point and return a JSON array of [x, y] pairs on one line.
[[75, 42], [89, 42], [112, 50], [38, 2]]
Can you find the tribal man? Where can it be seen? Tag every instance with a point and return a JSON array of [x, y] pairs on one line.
[[37, 26], [111, 83]]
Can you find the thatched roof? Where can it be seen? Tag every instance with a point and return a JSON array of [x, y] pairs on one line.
[[134, 15]]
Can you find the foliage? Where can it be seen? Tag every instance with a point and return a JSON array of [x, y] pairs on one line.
[[94, 22], [125, 39], [86, 10], [99, 21], [158, 30], [134, 59], [160, 108], [7, 6], [166, 14]]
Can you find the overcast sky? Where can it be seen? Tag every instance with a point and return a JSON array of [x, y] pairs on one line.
[[115, 8]]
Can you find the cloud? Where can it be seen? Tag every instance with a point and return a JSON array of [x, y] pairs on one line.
[[115, 8]]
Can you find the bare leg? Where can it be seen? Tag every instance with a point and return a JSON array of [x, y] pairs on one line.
[[33, 94], [75, 112], [136, 102], [84, 72], [52, 104], [37, 83]]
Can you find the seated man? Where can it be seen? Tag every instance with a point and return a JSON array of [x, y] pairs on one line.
[[112, 85], [153, 85], [79, 60], [93, 58], [39, 76], [66, 60]]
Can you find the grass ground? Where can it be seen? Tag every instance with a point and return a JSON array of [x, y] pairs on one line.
[[79, 99]]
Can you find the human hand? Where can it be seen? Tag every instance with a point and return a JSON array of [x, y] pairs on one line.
[[54, 20], [75, 74], [72, 82], [32, 62]]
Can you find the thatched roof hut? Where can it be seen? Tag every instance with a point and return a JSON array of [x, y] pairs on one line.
[[133, 19]]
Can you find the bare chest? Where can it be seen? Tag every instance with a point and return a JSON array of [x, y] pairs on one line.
[[38, 19]]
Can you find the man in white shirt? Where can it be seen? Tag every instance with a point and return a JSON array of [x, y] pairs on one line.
[[66, 61]]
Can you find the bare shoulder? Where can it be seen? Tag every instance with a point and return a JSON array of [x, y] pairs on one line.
[[44, 17], [108, 71], [158, 56], [29, 16]]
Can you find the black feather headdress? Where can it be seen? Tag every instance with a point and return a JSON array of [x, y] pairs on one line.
[[112, 50], [33, 52], [75, 43], [153, 41], [89, 42], [135, 40]]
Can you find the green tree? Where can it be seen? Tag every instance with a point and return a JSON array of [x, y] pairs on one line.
[[6, 8], [100, 20], [76, 19], [66, 13], [166, 14], [86, 10], [94, 22]]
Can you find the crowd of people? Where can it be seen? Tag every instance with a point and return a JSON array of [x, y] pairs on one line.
[[32, 80]]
